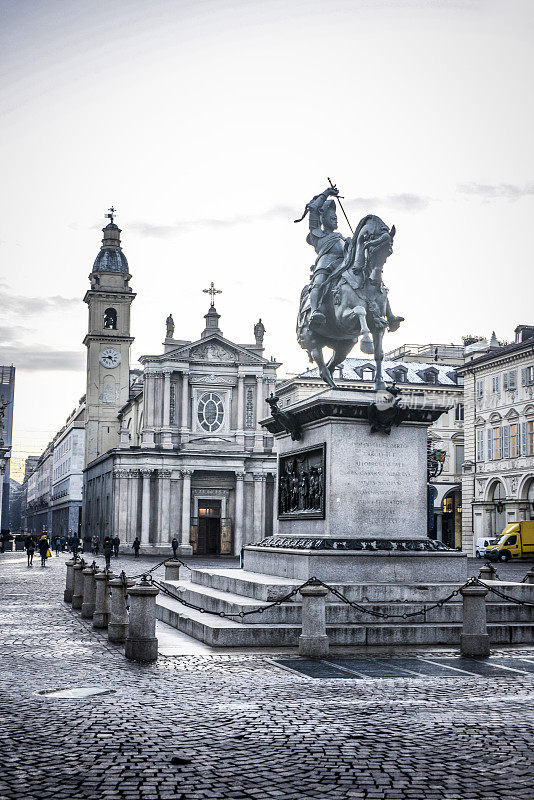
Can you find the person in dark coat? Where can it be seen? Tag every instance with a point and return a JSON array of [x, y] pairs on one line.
[[107, 549], [136, 545], [29, 546], [57, 546], [174, 545], [116, 543], [44, 546]]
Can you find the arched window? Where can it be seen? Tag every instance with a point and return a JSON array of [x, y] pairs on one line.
[[210, 411], [110, 319]]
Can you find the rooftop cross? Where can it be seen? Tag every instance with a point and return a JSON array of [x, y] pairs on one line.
[[112, 211], [212, 291]]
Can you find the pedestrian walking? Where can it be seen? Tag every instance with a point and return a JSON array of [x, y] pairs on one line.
[[174, 545], [44, 549], [107, 549], [57, 546], [74, 546], [94, 545], [29, 546], [97, 545], [116, 544], [136, 545], [63, 543]]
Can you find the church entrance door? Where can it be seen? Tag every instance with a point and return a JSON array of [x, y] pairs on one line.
[[209, 527]]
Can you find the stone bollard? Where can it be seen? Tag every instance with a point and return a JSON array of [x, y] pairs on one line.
[[118, 617], [89, 592], [77, 587], [530, 576], [69, 582], [172, 570], [475, 640], [141, 642], [487, 572], [102, 604], [313, 640]]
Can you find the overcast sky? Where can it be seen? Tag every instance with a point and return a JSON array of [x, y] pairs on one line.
[[209, 125]]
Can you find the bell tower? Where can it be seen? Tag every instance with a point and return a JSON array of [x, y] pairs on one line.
[[108, 343]]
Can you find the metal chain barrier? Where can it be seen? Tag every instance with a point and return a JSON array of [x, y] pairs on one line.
[[502, 595], [316, 582]]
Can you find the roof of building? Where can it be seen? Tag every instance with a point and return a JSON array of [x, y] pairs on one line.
[[497, 352], [351, 368], [111, 258]]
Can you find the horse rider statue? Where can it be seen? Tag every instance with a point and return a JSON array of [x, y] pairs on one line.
[[346, 297]]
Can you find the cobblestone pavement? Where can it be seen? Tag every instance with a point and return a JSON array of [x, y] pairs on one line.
[[239, 726]]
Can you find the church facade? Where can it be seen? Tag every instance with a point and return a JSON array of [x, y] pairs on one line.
[[174, 449]]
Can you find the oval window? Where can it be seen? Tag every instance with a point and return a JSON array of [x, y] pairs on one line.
[[210, 412]]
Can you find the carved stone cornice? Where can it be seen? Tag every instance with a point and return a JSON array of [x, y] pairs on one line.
[[212, 380], [146, 471]]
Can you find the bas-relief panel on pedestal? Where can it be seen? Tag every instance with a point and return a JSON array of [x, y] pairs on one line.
[[301, 484]]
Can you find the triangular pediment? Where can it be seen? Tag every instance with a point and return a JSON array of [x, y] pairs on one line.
[[213, 350]]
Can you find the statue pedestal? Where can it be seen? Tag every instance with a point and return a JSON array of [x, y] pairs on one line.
[[352, 504]]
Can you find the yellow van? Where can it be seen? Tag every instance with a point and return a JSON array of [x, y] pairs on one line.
[[516, 541]]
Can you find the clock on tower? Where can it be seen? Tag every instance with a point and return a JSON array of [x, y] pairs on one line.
[[108, 343]]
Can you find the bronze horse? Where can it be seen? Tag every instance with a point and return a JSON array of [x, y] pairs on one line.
[[354, 302]]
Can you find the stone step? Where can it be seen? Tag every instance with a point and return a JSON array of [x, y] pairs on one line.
[[219, 632], [337, 612], [268, 588]]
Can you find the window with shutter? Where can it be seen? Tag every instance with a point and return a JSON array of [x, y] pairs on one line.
[[506, 441], [490, 445], [512, 380], [530, 437], [524, 376], [505, 381], [480, 388], [514, 440], [495, 384], [497, 444], [523, 438], [480, 446]]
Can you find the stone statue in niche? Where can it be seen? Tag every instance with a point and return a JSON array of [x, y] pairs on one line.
[[169, 322], [346, 297], [259, 332], [301, 484]]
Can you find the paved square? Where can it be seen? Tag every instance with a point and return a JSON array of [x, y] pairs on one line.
[[239, 726]]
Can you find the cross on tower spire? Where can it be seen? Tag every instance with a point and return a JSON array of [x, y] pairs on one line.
[[212, 291], [111, 215]]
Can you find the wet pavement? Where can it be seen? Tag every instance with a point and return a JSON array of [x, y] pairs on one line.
[[212, 726]]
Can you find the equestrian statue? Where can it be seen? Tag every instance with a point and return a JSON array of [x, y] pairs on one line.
[[346, 297]]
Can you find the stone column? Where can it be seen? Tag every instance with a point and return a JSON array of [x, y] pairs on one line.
[[89, 592], [118, 619], [102, 604], [165, 484], [147, 433], [313, 641], [184, 413], [145, 510], [240, 422], [474, 640], [258, 510], [239, 522], [69, 582], [185, 545], [260, 413], [121, 482], [133, 481], [141, 642], [77, 591], [166, 439]]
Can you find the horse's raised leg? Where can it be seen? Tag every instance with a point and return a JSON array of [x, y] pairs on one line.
[[379, 357], [317, 355], [357, 317]]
